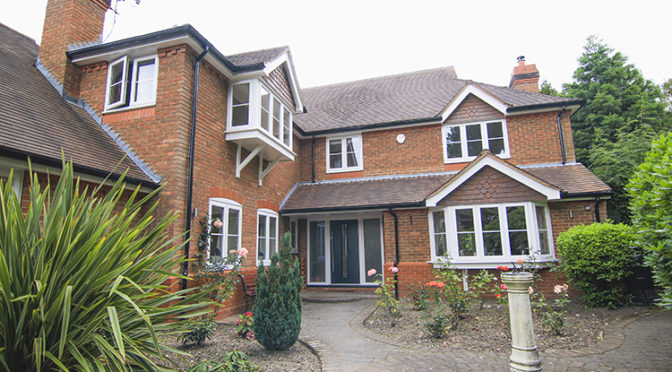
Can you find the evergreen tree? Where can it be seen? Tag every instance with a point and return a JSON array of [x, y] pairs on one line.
[[621, 114], [277, 307]]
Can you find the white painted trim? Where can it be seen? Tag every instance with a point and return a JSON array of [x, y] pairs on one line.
[[358, 144], [122, 101], [478, 92], [549, 192], [264, 172], [571, 108], [293, 82], [134, 78], [242, 163]]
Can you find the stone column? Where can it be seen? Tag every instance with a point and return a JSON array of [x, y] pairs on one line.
[[524, 354]]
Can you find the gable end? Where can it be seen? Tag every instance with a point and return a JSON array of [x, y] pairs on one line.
[[473, 109], [279, 81]]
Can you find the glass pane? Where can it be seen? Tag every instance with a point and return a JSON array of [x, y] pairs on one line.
[[439, 222], [541, 217], [145, 70], [439, 233], [492, 242], [233, 221], [495, 130], [117, 73], [373, 258], [216, 219], [232, 243], [466, 243], [335, 160], [276, 118], [543, 230], [440, 244], [144, 91], [496, 146], [272, 234], [261, 238], [215, 245], [287, 122], [465, 220], [473, 132], [240, 115], [115, 93], [265, 109], [516, 218], [518, 241], [317, 256], [543, 242], [454, 150], [241, 94], [453, 134], [335, 146], [350, 152], [453, 145], [474, 148]]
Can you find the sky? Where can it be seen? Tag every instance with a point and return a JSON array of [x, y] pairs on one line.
[[346, 40]]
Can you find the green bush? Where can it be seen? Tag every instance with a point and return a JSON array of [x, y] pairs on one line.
[[651, 212], [83, 279], [233, 361], [596, 259], [277, 307], [197, 330]]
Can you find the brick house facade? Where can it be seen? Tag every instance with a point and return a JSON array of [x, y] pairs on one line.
[[370, 174]]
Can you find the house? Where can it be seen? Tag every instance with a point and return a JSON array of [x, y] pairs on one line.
[[398, 170]]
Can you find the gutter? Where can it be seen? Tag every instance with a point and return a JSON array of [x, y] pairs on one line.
[[562, 141], [190, 174], [396, 251], [565, 195], [597, 209], [545, 105], [356, 208]]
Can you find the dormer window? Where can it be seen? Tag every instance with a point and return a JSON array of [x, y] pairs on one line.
[[463, 142], [254, 106], [131, 83]]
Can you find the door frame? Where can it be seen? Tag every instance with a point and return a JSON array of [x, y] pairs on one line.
[[327, 218]]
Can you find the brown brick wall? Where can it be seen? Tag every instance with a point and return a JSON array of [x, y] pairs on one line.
[[490, 186], [68, 22], [534, 138]]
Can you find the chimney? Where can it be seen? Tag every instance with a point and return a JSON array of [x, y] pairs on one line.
[[525, 77], [69, 22]]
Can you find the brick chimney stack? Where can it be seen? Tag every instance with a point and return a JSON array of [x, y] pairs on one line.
[[525, 77], [69, 22]]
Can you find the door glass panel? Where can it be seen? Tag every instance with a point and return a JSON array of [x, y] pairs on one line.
[[517, 230], [492, 241], [317, 254], [372, 248], [344, 251]]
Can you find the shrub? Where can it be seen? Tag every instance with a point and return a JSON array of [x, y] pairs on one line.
[[651, 211], [596, 259], [277, 307], [450, 289], [386, 295], [197, 330], [83, 279], [553, 314], [438, 325], [233, 361], [245, 326]]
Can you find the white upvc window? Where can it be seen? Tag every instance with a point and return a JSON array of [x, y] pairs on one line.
[[463, 142], [267, 235], [134, 88], [224, 225], [294, 231], [483, 236], [252, 104], [344, 154]]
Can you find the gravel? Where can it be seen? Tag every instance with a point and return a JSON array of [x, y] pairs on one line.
[[487, 329], [297, 358]]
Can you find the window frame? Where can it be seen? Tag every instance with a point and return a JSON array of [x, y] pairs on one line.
[[267, 214], [359, 153], [485, 140], [227, 205], [480, 260], [128, 83]]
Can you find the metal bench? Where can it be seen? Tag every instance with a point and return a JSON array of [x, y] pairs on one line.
[[249, 290]]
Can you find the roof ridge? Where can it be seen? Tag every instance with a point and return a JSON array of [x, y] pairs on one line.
[[282, 47], [383, 77], [125, 147]]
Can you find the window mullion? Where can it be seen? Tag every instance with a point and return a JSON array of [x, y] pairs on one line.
[[478, 230], [463, 141], [484, 136], [532, 229], [451, 231], [504, 230]]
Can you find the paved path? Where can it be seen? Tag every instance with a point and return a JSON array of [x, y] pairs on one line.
[[336, 332]]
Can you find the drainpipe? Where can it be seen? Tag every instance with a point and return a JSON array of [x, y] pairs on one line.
[[396, 251], [190, 175], [597, 209], [312, 160], [562, 141]]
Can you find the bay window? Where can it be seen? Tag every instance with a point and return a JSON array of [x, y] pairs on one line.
[[463, 142], [490, 234]]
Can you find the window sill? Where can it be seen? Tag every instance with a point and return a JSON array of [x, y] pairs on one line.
[[128, 108], [540, 263], [344, 170]]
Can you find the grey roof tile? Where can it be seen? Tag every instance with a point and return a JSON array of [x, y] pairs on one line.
[[257, 56]]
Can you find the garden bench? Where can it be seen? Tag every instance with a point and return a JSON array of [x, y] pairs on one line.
[[249, 290]]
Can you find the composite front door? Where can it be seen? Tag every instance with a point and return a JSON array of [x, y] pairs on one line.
[[344, 252]]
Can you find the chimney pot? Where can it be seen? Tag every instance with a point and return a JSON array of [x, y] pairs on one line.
[[521, 60]]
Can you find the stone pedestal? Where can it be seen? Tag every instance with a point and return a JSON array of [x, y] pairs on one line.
[[524, 354]]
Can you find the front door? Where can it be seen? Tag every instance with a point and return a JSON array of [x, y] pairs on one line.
[[344, 252]]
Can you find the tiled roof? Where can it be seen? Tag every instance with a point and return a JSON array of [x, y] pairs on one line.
[[412, 190], [257, 56], [404, 97], [35, 119]]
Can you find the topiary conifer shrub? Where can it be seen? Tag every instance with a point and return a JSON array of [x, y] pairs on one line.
[[277, 306], [596, 259]]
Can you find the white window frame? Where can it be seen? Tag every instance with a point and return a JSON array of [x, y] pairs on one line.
[[480, 260], [227, 205], [484, 140], [267, 249], [125, 103], [134, 81], [294, 230], [359, 153], [256, 87]]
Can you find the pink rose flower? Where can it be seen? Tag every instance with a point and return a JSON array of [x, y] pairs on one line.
[[394, 270], [557, 289], [371, 272], [520, 261], [242, 252], [503, 287], [530, 290]]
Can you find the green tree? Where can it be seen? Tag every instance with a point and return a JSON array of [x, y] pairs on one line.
[[277, 306], [651, 206], [547, 88], [620, 106]]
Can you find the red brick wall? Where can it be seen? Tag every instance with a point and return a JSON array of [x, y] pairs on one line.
[[565, 215], [534, 138], [68, 22]]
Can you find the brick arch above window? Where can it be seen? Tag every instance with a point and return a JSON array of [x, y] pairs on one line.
[[219, 192]]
